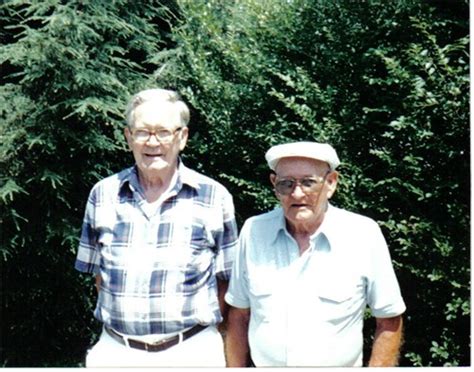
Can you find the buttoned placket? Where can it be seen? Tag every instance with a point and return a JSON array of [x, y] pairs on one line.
[[295, 324], [150, 214]]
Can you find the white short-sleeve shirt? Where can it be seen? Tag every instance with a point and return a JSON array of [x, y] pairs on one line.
[[308, 310]]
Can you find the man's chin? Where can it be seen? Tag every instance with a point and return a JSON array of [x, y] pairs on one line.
[[300, 215], [301, 211], [154, 166]]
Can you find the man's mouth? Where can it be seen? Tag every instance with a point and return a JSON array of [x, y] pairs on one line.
[[153, 155]]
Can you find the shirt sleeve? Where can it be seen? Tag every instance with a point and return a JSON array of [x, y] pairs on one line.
[[88, 255], [226, 239], [383, 291], [238, 292]]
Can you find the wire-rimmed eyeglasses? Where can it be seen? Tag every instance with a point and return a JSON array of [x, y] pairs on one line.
[[308, 185], [162, 135]]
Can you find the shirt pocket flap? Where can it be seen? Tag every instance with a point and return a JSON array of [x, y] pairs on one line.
[[336, 292], [261, 288]]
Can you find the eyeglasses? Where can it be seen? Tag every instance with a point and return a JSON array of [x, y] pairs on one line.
[[307, 184], [162, 135]]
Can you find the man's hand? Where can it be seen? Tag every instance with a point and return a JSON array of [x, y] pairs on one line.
[[387, 342], [222, 286]]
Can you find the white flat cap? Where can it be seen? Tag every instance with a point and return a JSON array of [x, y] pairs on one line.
[[312, 150]]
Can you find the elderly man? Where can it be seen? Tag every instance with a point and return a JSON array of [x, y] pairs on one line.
[[306, 271], [160, 239]]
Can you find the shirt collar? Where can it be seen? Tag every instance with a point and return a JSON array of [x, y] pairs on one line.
[[187, 176], [328, 227], [279, 227]]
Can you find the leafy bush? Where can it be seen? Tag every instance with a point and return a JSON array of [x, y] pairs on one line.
[[388, 85], [71, 67], [385, 82]]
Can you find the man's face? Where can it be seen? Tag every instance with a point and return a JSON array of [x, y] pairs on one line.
[[154, 156], [305, 204]]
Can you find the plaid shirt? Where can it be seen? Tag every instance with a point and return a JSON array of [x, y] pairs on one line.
[[158, 271]]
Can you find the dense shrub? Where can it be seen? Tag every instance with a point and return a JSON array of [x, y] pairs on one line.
[[70, 67], [387, 83]]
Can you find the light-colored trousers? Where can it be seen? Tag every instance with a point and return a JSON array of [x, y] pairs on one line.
[[205, 349]]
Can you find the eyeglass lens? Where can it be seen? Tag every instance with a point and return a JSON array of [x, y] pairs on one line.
[[143, 135], [286, 187]]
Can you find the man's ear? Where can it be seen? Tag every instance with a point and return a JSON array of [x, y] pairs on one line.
[[332, 180], [183, 138], [273, 181], [273, 178], [128, 137]]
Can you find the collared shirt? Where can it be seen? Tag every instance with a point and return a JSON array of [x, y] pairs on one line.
[[158, 268], [308, 309]]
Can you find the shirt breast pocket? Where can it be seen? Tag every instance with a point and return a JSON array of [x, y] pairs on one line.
[[261, 298], [193, 245], [200, 238], [268, 297], [337, 301]]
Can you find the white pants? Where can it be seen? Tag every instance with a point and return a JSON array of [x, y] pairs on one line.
[[205, 349]]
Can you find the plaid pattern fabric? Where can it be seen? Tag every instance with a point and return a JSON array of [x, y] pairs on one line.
[[158, 270]]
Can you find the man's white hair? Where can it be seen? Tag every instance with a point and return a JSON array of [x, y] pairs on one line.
[[160, 96]]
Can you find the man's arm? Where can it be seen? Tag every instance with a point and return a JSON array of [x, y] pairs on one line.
[[98, 281], [387, 342], [222, 286], [236, 342]]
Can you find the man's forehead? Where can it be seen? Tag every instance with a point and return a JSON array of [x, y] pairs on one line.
[[297, 165], [163, 114]]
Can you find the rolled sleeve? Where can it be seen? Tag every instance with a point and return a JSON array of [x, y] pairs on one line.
[[383, 292], [237, 294], [226, 240], [88, 256]]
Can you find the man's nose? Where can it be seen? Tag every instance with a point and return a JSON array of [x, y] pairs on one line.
[[297, 191], [152, 141]]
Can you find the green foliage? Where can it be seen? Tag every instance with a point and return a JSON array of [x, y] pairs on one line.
[[70, 67], [425, 152], [386, 83]]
